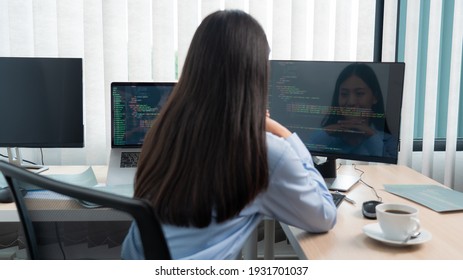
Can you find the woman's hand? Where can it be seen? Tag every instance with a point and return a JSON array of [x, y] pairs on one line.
[[276, 128]]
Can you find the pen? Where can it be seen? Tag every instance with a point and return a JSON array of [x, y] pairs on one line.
[[351, 201]]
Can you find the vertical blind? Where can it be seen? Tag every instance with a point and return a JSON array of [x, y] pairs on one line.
[[430, 43], [147, 40]]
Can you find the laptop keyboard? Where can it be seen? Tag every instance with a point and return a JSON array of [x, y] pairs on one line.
[[129, 159]]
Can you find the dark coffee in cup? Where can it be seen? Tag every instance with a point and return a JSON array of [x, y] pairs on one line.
[[394, 211], [398, 221]]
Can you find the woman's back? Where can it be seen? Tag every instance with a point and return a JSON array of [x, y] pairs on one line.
[[290, 198], [206, 150], [213, 163]]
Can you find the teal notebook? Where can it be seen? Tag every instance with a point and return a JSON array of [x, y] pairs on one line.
[[437, 198]]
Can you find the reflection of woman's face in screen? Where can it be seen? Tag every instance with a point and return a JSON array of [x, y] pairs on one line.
[[355, 98]]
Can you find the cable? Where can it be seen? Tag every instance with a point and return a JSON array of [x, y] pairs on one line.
[[5, 156], [41, 156], [366, 184], [16, 241], [60, 244], [28, 161]]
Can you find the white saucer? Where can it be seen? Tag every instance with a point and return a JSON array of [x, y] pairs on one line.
[[374, 231]]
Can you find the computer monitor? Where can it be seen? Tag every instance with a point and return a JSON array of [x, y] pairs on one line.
[[340, 110], [41, 103]]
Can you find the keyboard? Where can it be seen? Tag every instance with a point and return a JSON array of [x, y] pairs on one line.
[[129, 159], [338, 198]]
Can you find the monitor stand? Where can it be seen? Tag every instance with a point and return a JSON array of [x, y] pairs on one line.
[[15, 158], [335, 182]]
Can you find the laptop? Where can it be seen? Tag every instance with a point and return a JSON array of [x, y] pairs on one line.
[[134, 106], [342, 182]]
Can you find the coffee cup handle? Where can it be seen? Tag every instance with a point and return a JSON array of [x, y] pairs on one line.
[[416, 227]]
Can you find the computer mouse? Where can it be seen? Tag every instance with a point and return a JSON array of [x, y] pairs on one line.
[[369, 209], [5, 195]]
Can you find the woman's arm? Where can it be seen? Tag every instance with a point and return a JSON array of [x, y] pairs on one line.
[[297, 193]]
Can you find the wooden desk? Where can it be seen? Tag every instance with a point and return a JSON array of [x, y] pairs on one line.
[[8, 211], [347, 240], [69, 229]]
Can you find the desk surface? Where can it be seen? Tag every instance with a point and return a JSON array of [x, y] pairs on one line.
[[347, 240], [8, 211]]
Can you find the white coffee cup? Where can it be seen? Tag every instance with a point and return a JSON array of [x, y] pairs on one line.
[[398, 221]]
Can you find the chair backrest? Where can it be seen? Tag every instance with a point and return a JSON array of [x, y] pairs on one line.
[[57, 225]]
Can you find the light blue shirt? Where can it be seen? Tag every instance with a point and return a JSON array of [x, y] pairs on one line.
[[296, 195]]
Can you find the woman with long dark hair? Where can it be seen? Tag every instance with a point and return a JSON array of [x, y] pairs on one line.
[[214, 164]]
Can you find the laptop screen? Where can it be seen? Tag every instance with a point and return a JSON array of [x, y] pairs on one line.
[[134, 106]]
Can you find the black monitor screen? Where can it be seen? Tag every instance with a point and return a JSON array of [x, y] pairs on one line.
[[347, 110], [134, 107], [41, 102]]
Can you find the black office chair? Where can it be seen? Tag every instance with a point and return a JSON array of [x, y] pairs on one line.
[[56, 225]]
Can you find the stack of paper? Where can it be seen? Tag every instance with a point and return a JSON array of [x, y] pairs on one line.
[[437, 198]]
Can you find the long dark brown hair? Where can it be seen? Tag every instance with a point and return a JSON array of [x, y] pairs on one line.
[[205, 155]]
